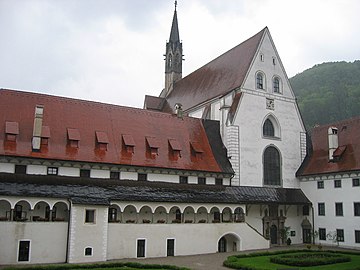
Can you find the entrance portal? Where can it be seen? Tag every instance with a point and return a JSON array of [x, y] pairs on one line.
[[273, 235]]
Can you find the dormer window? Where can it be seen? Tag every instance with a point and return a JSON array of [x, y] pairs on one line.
[[174, 148], [128, 143], [73, 137], [102, 140], [45, 135], [196, 149], [11, 131], [153, 145]]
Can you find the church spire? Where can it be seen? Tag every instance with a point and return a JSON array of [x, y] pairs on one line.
[[173, 57], [174, 34]]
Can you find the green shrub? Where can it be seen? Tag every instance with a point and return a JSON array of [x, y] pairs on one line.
[[313, 259]]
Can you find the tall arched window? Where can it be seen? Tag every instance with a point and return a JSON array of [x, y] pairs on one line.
[[276, 85], [268, 129], [272, 167], [259, 81]]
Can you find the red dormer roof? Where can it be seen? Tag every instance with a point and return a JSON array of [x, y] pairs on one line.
[[90, 123], [346, 156], [217, 78]]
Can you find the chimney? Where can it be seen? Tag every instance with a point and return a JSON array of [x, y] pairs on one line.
[[333, 141], [178, 110], [36, 140]]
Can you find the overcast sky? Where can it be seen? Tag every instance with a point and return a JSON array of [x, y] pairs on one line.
[[112, 50]]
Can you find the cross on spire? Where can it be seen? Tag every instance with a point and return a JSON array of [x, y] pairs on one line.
[[175, 4]]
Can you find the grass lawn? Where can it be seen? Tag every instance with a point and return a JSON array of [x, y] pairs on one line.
[[251, 262]]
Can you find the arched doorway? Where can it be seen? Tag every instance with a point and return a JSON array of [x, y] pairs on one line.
[[229, 242], [222, 245], [273, 234]]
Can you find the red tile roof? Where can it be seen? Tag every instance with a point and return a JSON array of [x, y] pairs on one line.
[[81, 119], [217, 78], [347, 154]]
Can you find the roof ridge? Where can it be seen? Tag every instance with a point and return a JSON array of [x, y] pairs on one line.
[[91, 103], [221, 55]]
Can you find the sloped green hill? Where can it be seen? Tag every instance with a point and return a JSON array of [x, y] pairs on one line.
[[328, 92]]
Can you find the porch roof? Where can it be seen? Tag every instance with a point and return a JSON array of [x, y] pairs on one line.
[[103, 191]]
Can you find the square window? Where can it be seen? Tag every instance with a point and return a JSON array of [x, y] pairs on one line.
[[88, 251], [142, 177], [357, 209], [85, 173], [20, 169], [89, 216], [52, 171], [320, 184], [339, 209], [357, 236], [321, 209], [322, 234], [183, 179], [218, 181], [114, 175], [337, 183], [202, 180], [340, 235], [356, 182], [292, 233]]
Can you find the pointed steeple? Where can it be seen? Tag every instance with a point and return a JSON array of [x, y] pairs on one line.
[[173, 57], [174, 34]]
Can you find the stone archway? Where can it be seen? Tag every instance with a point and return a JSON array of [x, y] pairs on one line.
[[229, 242]]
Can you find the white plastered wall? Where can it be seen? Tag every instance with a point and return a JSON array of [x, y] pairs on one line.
[[330, 195]]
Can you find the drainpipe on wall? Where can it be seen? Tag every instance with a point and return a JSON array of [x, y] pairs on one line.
[[68, 234], [313, 223]]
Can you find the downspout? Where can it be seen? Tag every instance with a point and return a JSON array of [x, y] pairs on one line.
[[313, 224], [68, 234]]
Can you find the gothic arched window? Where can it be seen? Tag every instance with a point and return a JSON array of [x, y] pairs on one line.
[[259, 81], [276, 85], [272, 167], [268, 129]]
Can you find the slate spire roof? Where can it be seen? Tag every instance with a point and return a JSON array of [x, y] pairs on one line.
[[174, 34]]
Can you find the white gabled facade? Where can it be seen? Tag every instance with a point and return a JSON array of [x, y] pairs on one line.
[[243, 135]]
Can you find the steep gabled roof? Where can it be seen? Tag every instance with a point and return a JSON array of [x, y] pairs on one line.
[[96, 123], [348, 152], [217, 78]]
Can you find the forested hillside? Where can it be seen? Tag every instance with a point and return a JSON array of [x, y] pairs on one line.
[[328, 92]]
